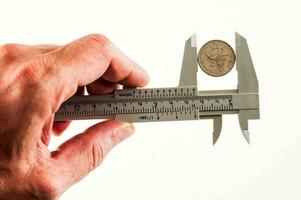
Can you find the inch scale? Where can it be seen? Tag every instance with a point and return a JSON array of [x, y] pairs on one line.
[[178, 103]]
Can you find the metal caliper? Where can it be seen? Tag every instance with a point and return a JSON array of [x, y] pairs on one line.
[[184, 102]]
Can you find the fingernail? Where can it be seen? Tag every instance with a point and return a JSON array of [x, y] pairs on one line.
[[129, 128], [125, 131]]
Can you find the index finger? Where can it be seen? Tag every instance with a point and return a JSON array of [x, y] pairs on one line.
[[85, 60]]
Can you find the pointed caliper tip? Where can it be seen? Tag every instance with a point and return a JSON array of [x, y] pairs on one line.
[[215, 140], [217, 128], [246, 134], [238, 36], [193, 40]]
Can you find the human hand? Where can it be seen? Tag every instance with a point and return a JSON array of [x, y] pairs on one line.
[[34, 81]]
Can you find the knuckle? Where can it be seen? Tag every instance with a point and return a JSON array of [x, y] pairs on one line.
[[3, 51], [97, 155], [9, 52], [88, 50], [38, 103], [99, 39], [100, 44], [31, 71], [10, 48]]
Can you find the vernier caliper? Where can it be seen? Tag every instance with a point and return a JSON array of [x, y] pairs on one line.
[[184, 102]]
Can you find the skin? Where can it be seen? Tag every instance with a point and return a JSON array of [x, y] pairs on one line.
[[34, 81]]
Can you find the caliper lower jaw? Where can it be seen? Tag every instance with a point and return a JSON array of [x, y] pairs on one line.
[[217, 128], [243, 117]]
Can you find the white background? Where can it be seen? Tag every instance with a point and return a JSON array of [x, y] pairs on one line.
[[176, 160]]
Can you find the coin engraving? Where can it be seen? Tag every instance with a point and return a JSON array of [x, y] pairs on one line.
[[216, 58]]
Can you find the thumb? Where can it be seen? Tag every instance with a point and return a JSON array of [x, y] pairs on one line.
[[81, 154]]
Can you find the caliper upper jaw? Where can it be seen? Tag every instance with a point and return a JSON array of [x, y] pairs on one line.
[[247, 83], [188, 77]]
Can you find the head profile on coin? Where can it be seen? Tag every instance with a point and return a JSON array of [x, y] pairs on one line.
[[216, 58]]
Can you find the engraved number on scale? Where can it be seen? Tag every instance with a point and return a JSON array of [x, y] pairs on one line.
[[150, 104]]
